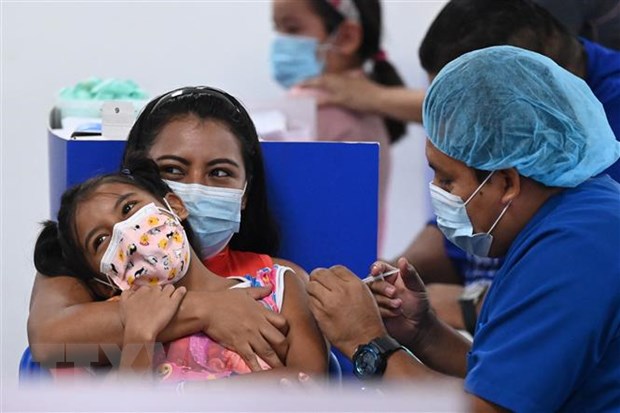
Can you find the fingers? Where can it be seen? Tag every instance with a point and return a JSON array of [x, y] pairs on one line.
[[278, 321], [178, 294], [275, 349], [379, 267], [258, 293], [249, 356], [383, 288]]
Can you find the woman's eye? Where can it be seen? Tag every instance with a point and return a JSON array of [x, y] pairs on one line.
[[128, 207], [171, 170], [219, 173]]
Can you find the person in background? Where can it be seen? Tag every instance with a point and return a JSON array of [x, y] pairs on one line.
[[459, 280], [207, 149], [339, 37], [524, 142], [596, 20]]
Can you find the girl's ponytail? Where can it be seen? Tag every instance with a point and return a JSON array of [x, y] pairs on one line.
[[48, 256], [383, 72]]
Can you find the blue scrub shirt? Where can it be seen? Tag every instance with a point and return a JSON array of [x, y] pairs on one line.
[[548, 336]]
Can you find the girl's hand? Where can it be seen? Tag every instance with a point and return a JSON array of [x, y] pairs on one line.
[[146, 311], [402, 300]]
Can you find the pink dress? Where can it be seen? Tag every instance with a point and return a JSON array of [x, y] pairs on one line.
[[197, 357]]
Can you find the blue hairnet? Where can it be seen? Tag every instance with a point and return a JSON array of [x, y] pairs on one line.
[[504, 107]]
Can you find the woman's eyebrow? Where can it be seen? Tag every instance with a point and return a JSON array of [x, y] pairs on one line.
[[173, 158], [222, 160]]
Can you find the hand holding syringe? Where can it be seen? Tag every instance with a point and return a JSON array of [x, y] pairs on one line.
[[372, 278]]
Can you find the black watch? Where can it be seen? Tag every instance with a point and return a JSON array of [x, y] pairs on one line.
[[472, 294], [370, 360]]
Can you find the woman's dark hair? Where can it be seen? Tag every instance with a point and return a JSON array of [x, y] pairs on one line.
[[258, 232], [383, 71], [57, 250], [466, 25]]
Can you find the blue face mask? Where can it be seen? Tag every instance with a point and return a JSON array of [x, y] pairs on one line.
[[454, 223], [294, 59], [214, 214]]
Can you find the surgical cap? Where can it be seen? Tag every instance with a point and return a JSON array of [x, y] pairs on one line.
[[504, 107]]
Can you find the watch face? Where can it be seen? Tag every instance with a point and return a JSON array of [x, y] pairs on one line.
[[367, 362]]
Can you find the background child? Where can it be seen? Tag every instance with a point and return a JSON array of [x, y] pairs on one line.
[[337, 36]]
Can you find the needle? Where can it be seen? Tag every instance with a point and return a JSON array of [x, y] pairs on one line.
[[372, 278]]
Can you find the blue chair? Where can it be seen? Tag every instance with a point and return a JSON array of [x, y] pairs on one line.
[[29, 369]]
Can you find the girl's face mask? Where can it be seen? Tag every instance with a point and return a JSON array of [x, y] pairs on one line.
[[148, 248]]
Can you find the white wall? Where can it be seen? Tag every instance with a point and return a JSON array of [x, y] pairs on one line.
[[46, 46]]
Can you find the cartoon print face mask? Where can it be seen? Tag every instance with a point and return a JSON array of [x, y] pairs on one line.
[[148, 248]]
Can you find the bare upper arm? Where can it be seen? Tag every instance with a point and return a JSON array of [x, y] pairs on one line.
[[307, 347], [52, 294]]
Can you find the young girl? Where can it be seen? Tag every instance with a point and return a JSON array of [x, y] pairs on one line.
[[337, 36], [126, 230]]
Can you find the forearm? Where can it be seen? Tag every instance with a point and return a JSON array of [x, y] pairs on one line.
[[400, 103], [190, 318], [441, 348], [137, 354], [74, 330]]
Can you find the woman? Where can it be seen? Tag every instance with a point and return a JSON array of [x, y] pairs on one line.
[[196, 135]]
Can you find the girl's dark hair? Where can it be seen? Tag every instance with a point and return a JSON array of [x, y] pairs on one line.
[[383, 71], [258, 232], [57, 250], [466, 25]]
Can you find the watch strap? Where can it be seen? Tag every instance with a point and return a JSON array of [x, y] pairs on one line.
[[470, 318]]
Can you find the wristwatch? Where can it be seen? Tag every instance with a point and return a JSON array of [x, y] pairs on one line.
[[370, 360], [472, 294]]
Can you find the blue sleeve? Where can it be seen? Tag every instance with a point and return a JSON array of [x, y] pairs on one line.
[[545, 321]]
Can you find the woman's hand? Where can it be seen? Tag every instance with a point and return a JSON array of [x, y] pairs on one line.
[[402, 301], [146, 311], [242, 324]]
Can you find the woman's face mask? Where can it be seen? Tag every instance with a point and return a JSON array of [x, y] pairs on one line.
[[148, 248], [454, 223], [214, 214]]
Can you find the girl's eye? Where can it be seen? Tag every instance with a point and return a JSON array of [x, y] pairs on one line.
[[98, 241], [127, 207]]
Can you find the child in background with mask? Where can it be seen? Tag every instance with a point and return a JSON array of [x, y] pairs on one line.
[[337, 36], [128, 232]]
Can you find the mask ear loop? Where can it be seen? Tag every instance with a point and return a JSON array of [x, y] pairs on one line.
[[479, 187], [109, 283], [174, 214], [499, 217]]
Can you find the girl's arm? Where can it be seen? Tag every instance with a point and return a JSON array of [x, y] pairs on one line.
[[307, 347], [63, 314], [145, 312]]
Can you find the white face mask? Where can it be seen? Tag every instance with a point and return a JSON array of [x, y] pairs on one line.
[[214, 214], [454, 223]]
